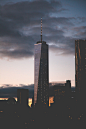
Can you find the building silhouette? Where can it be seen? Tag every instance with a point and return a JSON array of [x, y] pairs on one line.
[[41, 76], [22, 97], [80, 65], [62, 91]]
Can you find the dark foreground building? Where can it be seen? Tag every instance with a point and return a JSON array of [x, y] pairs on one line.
[[80, 65]]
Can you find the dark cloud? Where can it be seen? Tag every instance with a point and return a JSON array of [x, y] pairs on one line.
[[16, 54], [20, 27], [80, 32]]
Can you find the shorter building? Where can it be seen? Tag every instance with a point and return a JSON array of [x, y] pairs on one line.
[[62, 91], [68, 88], [11, 101], [22, 97], [59, 92]]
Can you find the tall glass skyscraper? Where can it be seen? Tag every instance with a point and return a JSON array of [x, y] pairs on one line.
[[41, 79], [41, 75]]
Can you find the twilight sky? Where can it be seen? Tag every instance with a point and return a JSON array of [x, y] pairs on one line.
[[64, 21]]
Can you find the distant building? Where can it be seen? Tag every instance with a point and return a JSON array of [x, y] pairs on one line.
[[68, 86], [59, 92], [62, 91], [41, 76], [80, 65], [11, 101], [22, 97]]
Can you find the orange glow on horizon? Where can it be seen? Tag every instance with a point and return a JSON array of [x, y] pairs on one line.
[[3, 98], [30, 100]]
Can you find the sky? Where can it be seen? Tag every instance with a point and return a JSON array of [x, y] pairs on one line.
[[64, 21]]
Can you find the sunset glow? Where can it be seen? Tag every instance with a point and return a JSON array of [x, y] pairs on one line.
[[30, 100]]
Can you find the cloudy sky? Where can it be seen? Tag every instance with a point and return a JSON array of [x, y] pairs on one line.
[[64, 21]]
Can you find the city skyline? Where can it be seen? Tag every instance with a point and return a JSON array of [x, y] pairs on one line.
[[63, 23]]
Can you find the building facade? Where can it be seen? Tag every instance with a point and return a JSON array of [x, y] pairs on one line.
[[80, 65], [22, 97], [41, 73]]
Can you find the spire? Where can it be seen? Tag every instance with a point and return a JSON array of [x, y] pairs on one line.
[[41, 29]]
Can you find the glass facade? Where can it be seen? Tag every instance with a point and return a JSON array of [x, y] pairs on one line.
[[80, 65], [41, 79]]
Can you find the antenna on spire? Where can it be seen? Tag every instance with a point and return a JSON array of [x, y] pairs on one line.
[[41, 30]]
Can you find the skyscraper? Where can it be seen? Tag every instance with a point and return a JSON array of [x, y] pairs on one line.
[[80, 65], [41, 75]]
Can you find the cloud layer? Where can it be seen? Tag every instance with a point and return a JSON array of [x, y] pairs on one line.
[[20, 28]]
